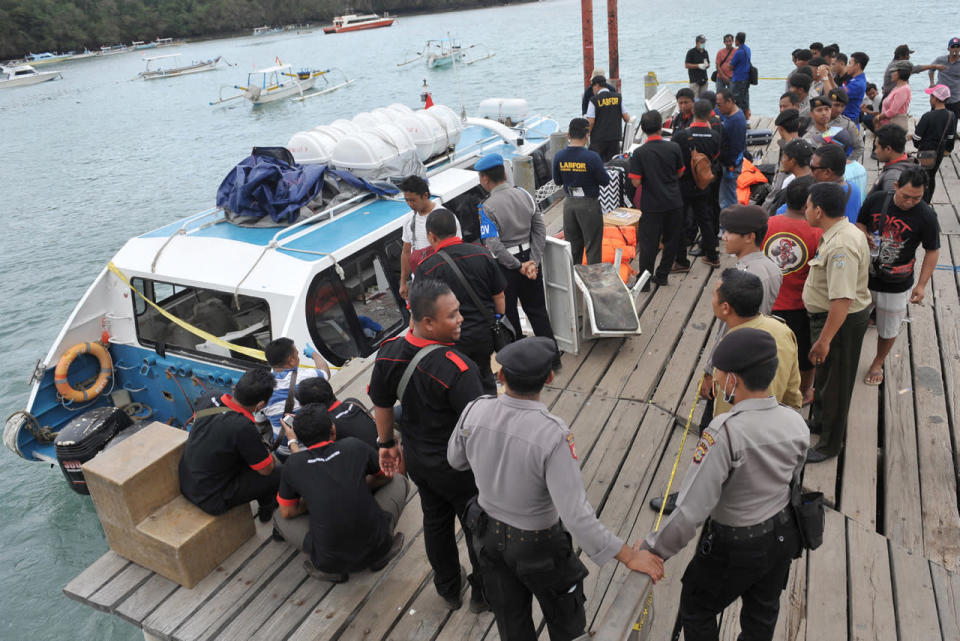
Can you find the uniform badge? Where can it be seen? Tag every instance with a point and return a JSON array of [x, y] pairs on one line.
[[702, 448], [573, 449], [839, 261]]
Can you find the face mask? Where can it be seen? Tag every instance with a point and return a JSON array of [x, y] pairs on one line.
[[728, 396]]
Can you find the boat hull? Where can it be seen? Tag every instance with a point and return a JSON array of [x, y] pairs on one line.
[[281, 93], [182, 71], [42, 76], [385, 22]]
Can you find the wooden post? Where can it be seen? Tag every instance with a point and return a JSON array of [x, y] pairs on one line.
[[613, 41], [586, 19]]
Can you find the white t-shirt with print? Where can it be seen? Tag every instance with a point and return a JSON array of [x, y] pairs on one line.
[[415, 229]]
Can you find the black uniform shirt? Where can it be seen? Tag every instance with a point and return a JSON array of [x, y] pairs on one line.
[[483, 274], [445, 381], [658, 164], [348, 530], [608, 115], [694, 57], [701, 137], [218, 448], [353, 421]]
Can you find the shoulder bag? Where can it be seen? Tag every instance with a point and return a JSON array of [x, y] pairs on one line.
[[500, 328], [928, 157], [808, 510], [412, 367]]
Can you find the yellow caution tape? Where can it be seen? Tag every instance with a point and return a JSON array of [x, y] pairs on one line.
[[676, 463], [686, 82], [193, 329]]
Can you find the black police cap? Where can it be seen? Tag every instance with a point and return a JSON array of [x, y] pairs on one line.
[[531, 356], [743, 219], [743, 349]]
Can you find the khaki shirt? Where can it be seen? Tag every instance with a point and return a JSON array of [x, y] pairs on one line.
[[840, 269], [525, 464], [786, 382], [740, 474]]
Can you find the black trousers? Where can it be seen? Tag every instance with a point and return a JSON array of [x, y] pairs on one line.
[[835, 378], [722, 571], [247, 486], [931, 181], [444, 493], [583, 228], [531, 297], [667, 225], [480, 352], [955, 108], [606, 148], [699, 216], [544, 567]]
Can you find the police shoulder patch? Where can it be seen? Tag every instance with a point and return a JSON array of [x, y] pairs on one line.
[[456, 360], [706, 442], [573, 449]]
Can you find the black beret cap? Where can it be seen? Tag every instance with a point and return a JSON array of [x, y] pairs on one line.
[[531, 356], [743, 219], [742, 349], [787, 116], [820, 101]]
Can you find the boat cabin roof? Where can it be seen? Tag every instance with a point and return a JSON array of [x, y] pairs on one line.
[[273, 69]]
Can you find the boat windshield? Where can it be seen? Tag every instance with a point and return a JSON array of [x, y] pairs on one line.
[[212, 311], [350, 316]]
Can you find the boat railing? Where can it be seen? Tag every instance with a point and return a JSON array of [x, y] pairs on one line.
[[633, 603]]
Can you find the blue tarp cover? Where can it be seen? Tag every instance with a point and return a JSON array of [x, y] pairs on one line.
[[262, 184]]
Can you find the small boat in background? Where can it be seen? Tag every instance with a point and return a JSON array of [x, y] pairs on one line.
[[140, 44], [281, 82], [22, 75], [156, 70], [264, 30], [114, 49], [46, 57], [355, 22], [446, 53]]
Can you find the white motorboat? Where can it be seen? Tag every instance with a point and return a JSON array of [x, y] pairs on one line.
[[22, 75], [281, 82], [356, 22], [448, 52], [157, 69]]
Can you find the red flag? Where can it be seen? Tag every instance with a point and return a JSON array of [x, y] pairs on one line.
[[428, 103]]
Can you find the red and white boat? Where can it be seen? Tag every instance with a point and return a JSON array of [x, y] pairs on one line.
[[355, 22]]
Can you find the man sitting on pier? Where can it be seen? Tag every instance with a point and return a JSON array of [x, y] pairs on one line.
[[225, 464], [336, 504], [284, 359], [349, 416]]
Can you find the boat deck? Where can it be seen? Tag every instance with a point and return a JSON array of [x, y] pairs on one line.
[[887, 568]]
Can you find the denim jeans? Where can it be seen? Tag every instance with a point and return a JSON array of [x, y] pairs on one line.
[[728, 187]]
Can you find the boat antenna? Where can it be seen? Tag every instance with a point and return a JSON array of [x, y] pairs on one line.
[[463, 109]]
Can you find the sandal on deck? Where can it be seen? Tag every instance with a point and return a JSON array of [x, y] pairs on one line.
[[873, 378]]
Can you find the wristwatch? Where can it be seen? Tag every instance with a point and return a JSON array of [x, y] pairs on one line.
[[386, 445], [293, 441]]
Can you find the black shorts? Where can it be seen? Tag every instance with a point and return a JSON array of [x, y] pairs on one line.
[[799, 322]]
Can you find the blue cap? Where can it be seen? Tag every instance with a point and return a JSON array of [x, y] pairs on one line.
[[954, 42], [489, 162]]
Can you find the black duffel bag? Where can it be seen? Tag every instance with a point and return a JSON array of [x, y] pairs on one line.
[[808, 510]]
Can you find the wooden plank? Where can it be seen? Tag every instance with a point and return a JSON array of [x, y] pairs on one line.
[[612, 448], [822, 477], [568, 404], [858, 488], [119, 587], [827, 582], [423, 618], [871, 590], [730, 622], [293, 610], [146, 599], [463, 625], [938, 483], [903, 520], [94, 577], [601, 356], [570, 365], [182, 603], [590, 421], [683, 363], [240, 590], [914, 596], [947, 310], [344, 600], [267, 601], [792, 622], [946, 588]]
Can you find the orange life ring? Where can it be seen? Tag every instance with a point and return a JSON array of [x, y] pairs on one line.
[[63, 365]]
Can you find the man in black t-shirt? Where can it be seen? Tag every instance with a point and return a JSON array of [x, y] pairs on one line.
[[483, 275], [440, 386], [896, 223], [935, 133], [697, 205], [335, 503], [655, 167], [348, 416], [225, 463], [697, 62]]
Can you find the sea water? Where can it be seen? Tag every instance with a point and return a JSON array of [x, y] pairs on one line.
[[97, 157]]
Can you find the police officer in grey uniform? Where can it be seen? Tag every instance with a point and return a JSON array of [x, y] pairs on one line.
[[526, 469], [739, 483], [517, 244]]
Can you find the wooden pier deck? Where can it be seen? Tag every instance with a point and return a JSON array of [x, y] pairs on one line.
[[888, 568]]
